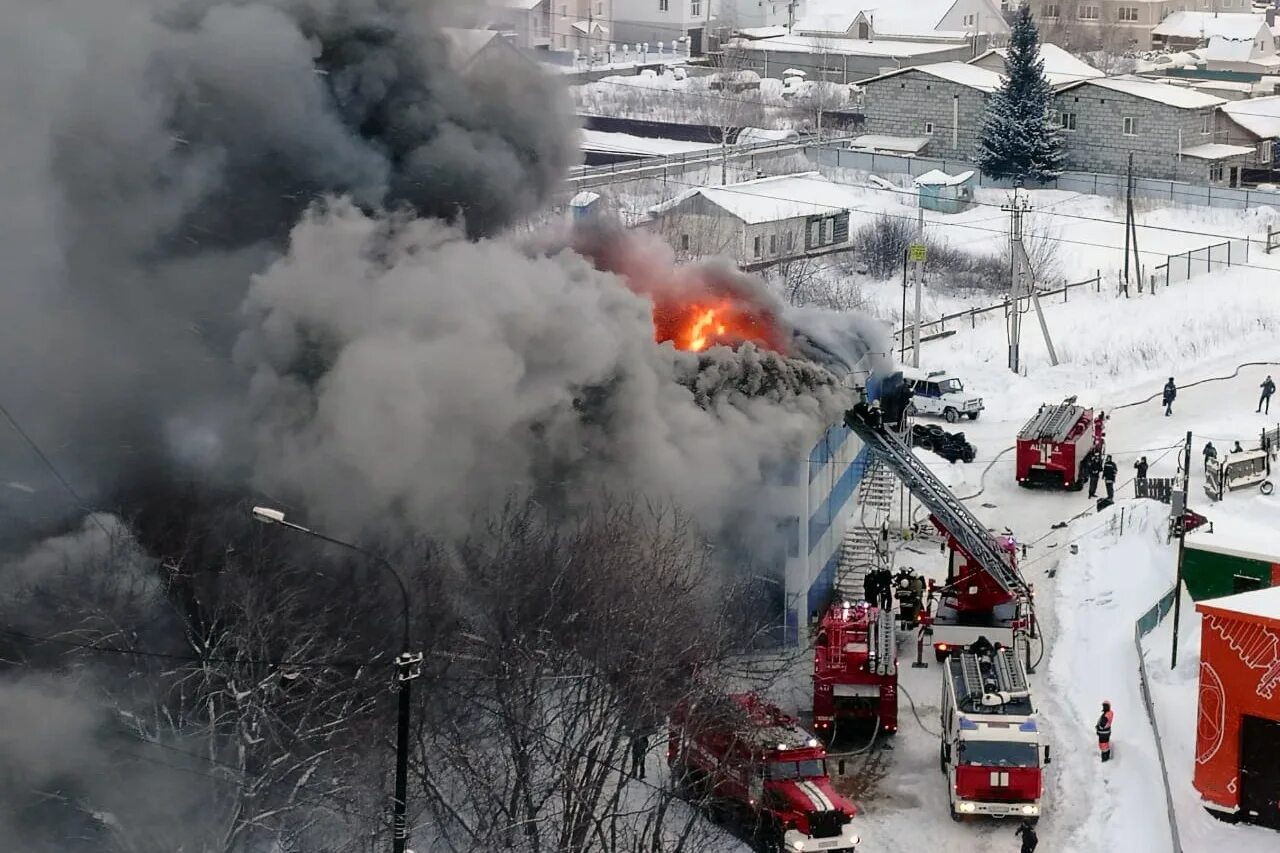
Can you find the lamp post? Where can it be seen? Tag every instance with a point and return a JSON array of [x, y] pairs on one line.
[[408, 667]]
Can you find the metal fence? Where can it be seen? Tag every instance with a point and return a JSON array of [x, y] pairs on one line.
[[1154, 488], [932, 327], [1179, 192], [1147, 623], [1196, 262]]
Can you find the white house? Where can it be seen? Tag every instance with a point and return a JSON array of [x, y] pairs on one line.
[[1183, 30], [750, 15], [917, 20], [653, 21], [1060, 67], [759, 220]]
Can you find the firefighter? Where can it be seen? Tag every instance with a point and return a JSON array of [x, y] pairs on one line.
[[1027, 833], [1104, 731], [869, 586], [1091, 469], [981, 647], [1268, 388], [639, 748], [1109, 477], [1170, 393], [885, 586], [1141, 467], [1237, 448], [1210, 454], [917, 589]]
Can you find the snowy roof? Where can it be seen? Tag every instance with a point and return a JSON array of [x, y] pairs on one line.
[[890, 17], [1215, 151], [584, 198], [1222, 49], [1059, 65], [593, 26], [520, 4], [761, 32], [973, 76], [1194, 25], [880, 142], [1174, 96], [772, 199], [1238, 537], [1258, 602], [939, 178], [625, 143], [1259, 116], [843, 47]]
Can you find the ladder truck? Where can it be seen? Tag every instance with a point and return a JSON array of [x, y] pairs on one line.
[[984, 594], [758, 767], [855, 669], [992, 751], [1055, 444]]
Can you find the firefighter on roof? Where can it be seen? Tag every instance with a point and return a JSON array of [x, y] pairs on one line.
[[1104, 731]]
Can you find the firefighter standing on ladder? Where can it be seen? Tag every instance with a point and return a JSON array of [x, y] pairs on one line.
[[1104, 731]]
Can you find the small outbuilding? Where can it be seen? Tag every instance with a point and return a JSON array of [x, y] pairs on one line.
[[1238, 724], [946, 193], [1229, 556]]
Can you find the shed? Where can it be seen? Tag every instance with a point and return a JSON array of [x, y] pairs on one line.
[[945, 193], [1232, 555], [1238, 724]]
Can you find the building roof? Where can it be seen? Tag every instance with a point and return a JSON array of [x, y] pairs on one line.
[[1237, 537], [881, 142], [1174, 96], [1216, 151], [1259, 116], [465, 44], [520, 4], [771, 199], [1263, 603], [887, 17], [841, 47], [973, 76], [939, 178], [762, 32], [1059, 65], [1194, 25], [644, 146], [1222, 49]]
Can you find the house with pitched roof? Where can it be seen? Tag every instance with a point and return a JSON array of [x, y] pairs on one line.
[[942, 102], [919, 20], [1060, 67]]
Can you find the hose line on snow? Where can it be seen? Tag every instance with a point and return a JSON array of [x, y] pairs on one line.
[[916, 714]]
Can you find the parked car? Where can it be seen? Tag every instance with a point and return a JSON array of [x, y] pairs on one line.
[[951, 446], [940, 393]]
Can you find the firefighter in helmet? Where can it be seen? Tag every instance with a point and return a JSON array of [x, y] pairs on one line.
[[1104, 730], [1027, 833]]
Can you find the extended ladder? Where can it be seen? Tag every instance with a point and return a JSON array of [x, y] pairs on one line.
[[963, 525], [1008, 674]]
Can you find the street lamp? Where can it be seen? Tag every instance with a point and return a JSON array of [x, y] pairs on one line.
[[408, 667]]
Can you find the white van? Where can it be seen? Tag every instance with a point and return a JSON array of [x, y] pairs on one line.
[[940, 393]]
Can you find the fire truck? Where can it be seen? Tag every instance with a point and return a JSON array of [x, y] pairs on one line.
[[758, 766], [1053, 445], [992, 753], [984, 593], [855, 669]]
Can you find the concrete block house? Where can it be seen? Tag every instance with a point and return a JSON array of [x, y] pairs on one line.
[[944, 102]]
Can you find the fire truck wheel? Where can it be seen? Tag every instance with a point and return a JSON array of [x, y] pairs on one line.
[[1266, 487], [956, 816], [951, 415], [973, 416], [942, 759]]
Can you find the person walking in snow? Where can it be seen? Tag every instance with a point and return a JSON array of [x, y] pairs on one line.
[[1027, 833], [1210, 453], [1141, 467], [1109, 472], [1104, 730], [1268, 388], [1092, 469], [1170, 392], [639, 748]]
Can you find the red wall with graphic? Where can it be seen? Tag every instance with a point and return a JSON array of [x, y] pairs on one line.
[[1239, 675]]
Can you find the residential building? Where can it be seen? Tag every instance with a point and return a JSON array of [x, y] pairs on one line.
[[1060, 67], [1170, 131], [527, 23], [1117, 25], [919, 20], [738, 15], [653, 21], [837, 60], [476, 48], [762, 219], [1255, 123], [581, 25], [1228, 42], [944, 102]]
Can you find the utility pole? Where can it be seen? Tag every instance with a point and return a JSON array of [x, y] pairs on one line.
[[1130, 230], [902, 355], [1022, 279], [1180, 508], [918, 257]]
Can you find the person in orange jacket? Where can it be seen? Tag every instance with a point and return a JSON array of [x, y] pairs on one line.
[[1104, 731]]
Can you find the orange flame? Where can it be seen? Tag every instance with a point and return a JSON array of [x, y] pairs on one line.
[[696, 326], [703, 327]]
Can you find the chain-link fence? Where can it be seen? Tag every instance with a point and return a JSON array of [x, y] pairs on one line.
[[1205, 260]]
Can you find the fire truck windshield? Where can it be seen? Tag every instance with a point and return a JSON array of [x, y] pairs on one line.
[[795, 769], [951, 386], [999, 753]]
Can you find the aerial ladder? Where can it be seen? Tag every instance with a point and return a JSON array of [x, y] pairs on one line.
[[985, 595]]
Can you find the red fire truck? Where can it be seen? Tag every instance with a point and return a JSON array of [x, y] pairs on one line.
[[992, 753], [855, 669], [758, 766], [1053, 445]]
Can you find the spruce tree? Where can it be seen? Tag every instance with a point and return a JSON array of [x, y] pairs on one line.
[[1019, 137]]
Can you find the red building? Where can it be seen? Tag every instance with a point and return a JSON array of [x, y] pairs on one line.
[[1238, 728]]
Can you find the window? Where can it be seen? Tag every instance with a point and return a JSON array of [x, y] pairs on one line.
[[695, 8], [664, 5], [828, 231], [1067, 121], [684, 242], [773, 244], [600, 7], [756, 247], [1127, 14], [1206, 123], [928, 127], [998, 753], [1050, 11], [1264, 151], [969, 20], [788, 242], [1088, 13], [1215, 172], [789, 528], [807, 769], [815, 232], [1130, 126]]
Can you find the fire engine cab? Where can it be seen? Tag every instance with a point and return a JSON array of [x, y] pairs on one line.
[[1054, 445], [855, 669], [992, 750], [759, 766]]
